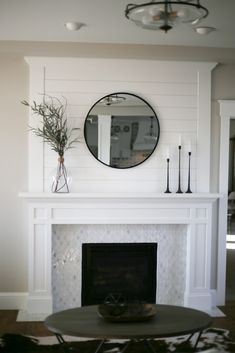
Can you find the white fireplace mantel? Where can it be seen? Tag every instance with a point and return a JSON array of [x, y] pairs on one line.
[[192, 210]]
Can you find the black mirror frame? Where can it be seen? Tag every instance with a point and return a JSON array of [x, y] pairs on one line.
[[129, 94]]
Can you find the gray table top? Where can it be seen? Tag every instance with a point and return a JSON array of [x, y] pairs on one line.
[[169, 321]]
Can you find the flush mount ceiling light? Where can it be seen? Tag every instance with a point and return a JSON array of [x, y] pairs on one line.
[[164, 15], [73, 26], [204, 30], [112, 99]]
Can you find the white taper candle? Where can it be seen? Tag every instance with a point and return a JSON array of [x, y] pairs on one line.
[[180, 140], [189, 146], [167, 152]]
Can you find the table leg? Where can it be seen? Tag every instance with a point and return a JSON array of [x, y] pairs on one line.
[[100, 345], [126, 346], [151, 349], [63, 343], [197, 340], [149, 346], [128, 343], [67, 349]]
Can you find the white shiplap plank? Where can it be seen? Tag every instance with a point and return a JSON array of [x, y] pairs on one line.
[[177, 113], [90, 162], [168, 137], [88, 99], [172, 113], [102, 87], [81, 149], [178, 126], [130, 186], [124, 174]]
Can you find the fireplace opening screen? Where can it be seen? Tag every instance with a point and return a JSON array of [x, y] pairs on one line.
[[129, 269]]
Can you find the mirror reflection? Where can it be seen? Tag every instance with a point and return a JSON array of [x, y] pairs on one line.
[[121, 130]]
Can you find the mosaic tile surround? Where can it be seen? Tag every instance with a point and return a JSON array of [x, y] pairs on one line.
[[66, 258]]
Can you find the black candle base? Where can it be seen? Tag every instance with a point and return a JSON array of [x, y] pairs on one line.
[[179, 192], [189, 163], [167, 192], [167, 178]]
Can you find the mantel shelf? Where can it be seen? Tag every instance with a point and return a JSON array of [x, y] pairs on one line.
[[66, 197]]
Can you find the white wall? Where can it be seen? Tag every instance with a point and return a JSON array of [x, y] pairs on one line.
[[13, 175]]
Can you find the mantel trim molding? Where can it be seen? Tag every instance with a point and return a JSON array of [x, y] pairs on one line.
[[67, 197]]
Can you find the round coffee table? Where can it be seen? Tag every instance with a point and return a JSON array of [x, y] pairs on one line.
[[169, 321]]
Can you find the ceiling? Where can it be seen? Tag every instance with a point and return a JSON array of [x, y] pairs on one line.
[[34, 20]]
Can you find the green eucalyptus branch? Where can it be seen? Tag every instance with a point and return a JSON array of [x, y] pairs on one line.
[[54, 129]]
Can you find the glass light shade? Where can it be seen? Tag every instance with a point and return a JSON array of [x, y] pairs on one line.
[[164, 14], [147, 20], [156, 10]]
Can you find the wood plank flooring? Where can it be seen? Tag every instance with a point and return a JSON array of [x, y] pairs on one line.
[[8, 323]]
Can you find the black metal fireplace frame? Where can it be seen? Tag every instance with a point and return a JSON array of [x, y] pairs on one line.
[[88, 249]]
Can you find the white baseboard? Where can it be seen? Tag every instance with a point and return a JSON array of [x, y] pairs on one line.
[[13, 300], [214, 297]]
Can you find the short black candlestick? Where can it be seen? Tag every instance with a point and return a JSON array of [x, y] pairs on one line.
[[179, 191], [189, 162], [167, 177]]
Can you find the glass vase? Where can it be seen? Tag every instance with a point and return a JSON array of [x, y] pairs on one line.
[[60, 179]]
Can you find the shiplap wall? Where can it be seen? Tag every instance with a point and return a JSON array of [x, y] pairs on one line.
[[179, 92]]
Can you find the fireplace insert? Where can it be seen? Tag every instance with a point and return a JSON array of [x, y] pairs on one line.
[[129, 269]]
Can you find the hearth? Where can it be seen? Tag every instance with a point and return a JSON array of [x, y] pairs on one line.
[[126, 268]]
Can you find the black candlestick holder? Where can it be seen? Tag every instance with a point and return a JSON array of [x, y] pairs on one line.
[[179, 191], [167, 177], [189, 167]]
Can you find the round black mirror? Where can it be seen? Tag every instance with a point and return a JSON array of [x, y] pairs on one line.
[[121, 130]]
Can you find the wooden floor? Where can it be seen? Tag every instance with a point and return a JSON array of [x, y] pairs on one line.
[[8, 323]]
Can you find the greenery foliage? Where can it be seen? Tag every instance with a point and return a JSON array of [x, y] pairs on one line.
[[54, 129]]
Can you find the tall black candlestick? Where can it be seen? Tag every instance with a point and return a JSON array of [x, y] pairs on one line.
[[167, 177], [179, 191], [189, 162]]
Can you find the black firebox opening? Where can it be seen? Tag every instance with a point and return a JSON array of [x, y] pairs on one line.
[[126, 268]]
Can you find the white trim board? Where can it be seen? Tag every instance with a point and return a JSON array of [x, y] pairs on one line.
[[13, 300], [227, 112], [194, 210]]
